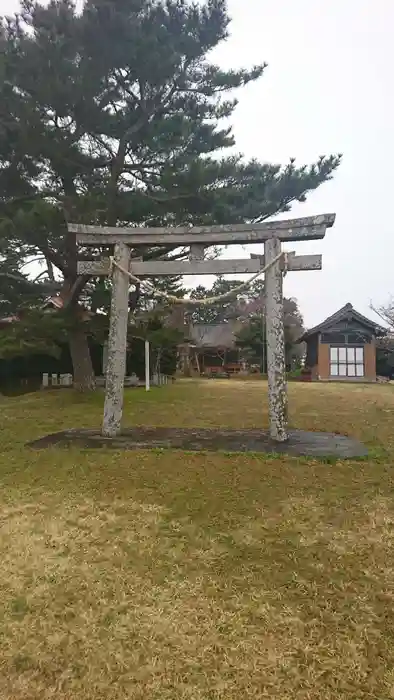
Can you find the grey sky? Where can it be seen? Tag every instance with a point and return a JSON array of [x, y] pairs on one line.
[[326, 90]]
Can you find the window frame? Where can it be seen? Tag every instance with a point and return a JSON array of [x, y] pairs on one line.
[[345, 363]]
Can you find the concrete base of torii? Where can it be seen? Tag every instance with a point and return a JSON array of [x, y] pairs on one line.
[[299, 442]]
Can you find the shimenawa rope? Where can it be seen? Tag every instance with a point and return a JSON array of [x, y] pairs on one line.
[[198, 302]]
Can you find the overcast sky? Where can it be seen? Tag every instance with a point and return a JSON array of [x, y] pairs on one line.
[[327, 89]]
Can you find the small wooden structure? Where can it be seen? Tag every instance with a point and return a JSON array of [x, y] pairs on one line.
[[343, 347], [213, 348], [198, 238]]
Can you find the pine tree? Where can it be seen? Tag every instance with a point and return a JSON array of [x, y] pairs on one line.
[[219, 312], [113, 115]]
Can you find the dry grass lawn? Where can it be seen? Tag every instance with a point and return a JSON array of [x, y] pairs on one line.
[[179, 576]]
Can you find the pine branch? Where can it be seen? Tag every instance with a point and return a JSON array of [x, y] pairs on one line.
[[40, 287]]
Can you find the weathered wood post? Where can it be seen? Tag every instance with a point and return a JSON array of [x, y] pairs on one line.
[[117, 343], [277, 390]]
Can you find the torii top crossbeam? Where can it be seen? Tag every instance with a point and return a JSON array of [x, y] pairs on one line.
[[307, 228]]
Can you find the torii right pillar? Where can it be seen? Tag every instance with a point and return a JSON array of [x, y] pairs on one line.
[[275, 334]]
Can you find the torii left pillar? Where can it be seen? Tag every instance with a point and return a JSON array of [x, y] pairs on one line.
[[117, 343], [276, 358]]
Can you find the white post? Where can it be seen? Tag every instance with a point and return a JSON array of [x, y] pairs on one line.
[[147, 366], [117, 344], [54, 379], [277, 389], [45, 380]]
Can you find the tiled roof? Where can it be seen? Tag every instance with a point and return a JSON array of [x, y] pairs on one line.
[[346, 312], [220, 335]]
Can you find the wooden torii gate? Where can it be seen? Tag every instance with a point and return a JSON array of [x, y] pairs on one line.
[[198, 238]]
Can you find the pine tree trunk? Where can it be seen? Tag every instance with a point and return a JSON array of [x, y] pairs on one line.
[[83, 373]]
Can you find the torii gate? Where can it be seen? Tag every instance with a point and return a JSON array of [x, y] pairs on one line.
[[199, 238]]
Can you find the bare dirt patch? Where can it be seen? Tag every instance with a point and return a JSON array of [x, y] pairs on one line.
[[300, 442]]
